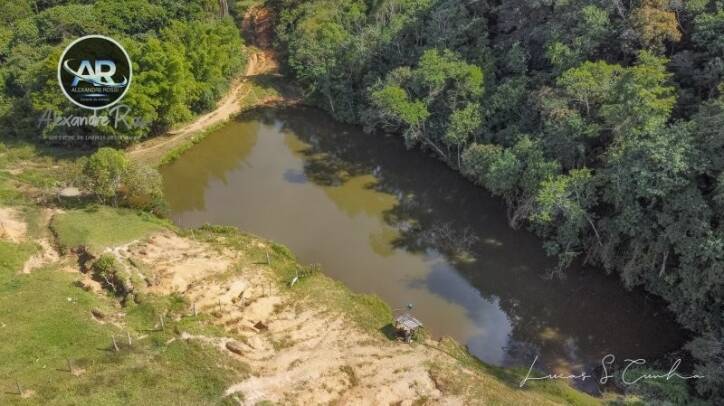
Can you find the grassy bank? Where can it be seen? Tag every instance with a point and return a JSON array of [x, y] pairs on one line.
[[172, 154], [56, 333], [56, 343], [98, 227]]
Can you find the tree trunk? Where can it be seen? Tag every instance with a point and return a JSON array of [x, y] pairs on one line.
[[663, 264], [595, 230]]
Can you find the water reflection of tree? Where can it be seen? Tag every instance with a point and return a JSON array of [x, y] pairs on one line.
[[186, 180], [455, 243], [439, 211]]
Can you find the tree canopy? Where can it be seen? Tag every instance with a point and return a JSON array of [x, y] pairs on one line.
[[600, 123], [183, 59]]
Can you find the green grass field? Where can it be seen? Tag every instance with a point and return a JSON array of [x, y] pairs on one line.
[[46, 321], [98, 227], [9, 194]]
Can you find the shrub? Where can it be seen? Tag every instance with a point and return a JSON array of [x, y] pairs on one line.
[[110, 175], [104, 171], [144, 188], [112, 275]]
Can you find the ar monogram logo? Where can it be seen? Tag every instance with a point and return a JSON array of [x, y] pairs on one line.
[[98, 76], [94, 72]]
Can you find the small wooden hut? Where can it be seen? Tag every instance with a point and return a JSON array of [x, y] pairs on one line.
[[406, 326]]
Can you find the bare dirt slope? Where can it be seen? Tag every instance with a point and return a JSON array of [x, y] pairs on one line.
[[12, 228], [47, 253], [300, 352]]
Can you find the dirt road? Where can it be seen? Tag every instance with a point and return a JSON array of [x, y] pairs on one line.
[[261, 61]]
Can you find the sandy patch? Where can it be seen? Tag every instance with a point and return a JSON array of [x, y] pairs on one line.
[[47, 254], [12, 227], [317, 357], [171, 263], [300, 353]]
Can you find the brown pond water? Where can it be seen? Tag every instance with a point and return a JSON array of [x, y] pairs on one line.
[[396, 223]]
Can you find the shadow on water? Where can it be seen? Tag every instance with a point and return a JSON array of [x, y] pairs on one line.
[[434, 236]]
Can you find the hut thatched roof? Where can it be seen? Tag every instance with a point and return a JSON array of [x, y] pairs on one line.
[[407, 322]]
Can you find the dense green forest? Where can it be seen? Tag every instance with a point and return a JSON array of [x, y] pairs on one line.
[[600, 123], [184, 55]]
